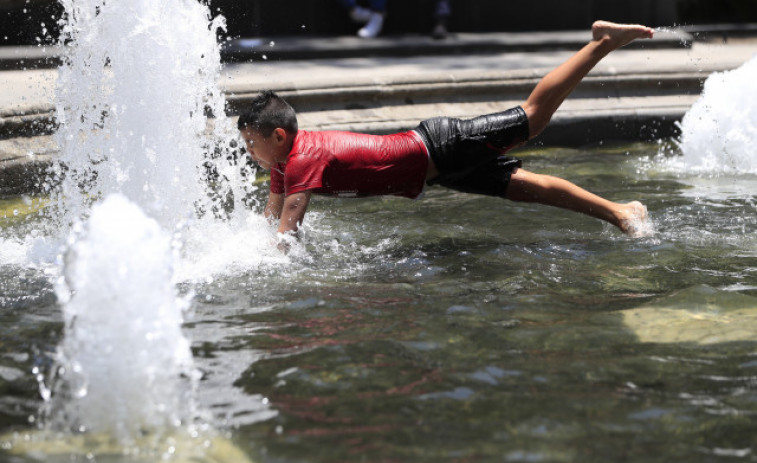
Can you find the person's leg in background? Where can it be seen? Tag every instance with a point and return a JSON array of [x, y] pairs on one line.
[[442, 13], [373, 16], [376, 20]]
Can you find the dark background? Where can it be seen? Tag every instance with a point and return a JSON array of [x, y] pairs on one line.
[[249, 18]]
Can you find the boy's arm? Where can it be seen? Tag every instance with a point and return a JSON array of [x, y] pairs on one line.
[[274, 206], [292, 214]]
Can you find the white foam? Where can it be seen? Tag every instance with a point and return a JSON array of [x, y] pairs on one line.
[[126, 366], [13, 251], [719, 133], [213, 248]]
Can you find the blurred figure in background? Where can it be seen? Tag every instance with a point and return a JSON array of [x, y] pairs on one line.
[[373, 16], [442, 12]]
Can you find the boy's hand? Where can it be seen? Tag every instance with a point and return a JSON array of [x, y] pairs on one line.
[[284, 242]]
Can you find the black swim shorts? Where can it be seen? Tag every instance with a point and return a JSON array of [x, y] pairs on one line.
[[469, 154]]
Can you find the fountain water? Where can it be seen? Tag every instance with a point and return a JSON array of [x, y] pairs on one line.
[[125, 366], [134, 97], [720, 131]]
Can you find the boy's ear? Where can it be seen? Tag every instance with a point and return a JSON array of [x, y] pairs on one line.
[[280, 135]]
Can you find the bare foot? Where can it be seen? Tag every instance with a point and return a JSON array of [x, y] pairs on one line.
[[633, 220], [620, 35]]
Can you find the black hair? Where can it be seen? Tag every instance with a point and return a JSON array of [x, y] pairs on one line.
[[268, 112]]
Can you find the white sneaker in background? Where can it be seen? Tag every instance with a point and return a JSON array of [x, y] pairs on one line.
[[360, 15], [374, 26]]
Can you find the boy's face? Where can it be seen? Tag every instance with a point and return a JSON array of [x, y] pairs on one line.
[[266, 151]]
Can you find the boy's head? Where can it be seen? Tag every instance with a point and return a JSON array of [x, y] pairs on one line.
[[268, 112], [268, 127]]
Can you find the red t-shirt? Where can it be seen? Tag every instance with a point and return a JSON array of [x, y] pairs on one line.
[[353, 164]]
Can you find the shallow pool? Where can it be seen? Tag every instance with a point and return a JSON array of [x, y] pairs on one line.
[[462, 328]]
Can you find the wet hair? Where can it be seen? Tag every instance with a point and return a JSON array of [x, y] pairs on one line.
[[268, 112]]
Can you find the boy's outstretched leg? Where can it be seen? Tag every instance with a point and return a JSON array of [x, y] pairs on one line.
[[541, 105], [526, 186], [552, 90]]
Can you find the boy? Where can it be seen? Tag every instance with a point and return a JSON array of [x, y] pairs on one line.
[[467, 155]]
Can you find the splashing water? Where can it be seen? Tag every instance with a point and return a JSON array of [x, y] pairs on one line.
[[719, 133], [132, 99], [126, 367], [135, 101], [134, 94], [137, 85]]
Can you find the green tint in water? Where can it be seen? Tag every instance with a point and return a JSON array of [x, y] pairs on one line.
[[462, 328], [13, 211]]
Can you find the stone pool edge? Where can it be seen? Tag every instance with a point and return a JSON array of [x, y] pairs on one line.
[[609, 106]]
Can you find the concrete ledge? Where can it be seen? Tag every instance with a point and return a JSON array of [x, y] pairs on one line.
[[578, 122], [607, 106], [352, 94], [295, 48], [27, 122], [24, 164], [461, 87], [720, 31], [612, 126], [30, 57]]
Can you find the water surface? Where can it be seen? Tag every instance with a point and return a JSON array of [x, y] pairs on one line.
[[463, 328]]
